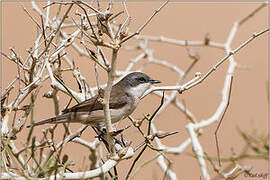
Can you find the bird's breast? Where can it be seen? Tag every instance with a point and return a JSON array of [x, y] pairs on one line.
[[123, 112]]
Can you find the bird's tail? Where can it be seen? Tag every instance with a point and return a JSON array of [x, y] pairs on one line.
[[58, 119]]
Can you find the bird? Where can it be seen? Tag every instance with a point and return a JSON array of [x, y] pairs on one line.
[[124, 98]]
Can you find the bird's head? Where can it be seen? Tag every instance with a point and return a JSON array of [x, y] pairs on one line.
[[137, 83]]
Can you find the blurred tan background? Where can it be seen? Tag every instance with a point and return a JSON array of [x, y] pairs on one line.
[[248, 108]]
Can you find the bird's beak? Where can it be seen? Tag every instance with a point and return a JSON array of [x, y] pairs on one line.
[[154, 81]]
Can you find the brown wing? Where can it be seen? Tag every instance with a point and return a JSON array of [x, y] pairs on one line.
[[117, 100], [87, 105]]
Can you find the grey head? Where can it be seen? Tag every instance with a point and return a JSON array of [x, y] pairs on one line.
[[136, 83]]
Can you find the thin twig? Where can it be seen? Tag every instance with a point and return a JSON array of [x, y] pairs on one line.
[[216, 131], [32, 18], [134, 162], [244, 19], [143, 26]]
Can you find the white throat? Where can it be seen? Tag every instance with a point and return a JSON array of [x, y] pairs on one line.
[[139, 90]]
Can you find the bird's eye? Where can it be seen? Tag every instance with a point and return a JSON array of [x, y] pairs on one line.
[[141, 79]]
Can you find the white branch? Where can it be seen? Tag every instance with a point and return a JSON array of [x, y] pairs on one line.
[[179, 42], [165, 168], [198, 150]]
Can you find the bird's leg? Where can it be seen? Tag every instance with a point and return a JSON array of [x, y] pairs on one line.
[[101, 132], [114, 134]]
